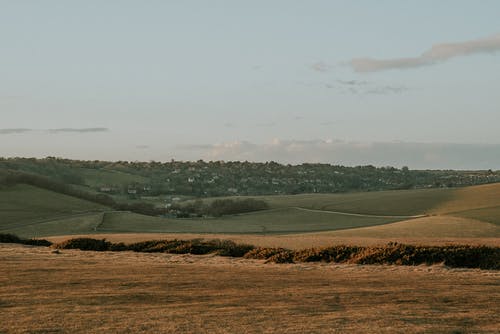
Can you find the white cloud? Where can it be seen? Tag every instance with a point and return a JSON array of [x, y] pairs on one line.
[[437, 53], [53, 131], [414, 155]]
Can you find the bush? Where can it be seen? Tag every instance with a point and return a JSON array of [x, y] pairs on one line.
[[118, 247], [329, 254], [87, 244], [12, 238], [473, 257], [285, 256], [195, 246], [482, 257], [232, 249], [262, 253], [37, 242]]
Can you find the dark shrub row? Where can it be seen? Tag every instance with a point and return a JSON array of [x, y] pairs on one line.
[[14, 239], [463, 256], [482, 257], [87, 244], [276, 255], [196, 246], [219, 207]]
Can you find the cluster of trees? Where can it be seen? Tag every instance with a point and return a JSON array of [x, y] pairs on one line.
[[218, 207]]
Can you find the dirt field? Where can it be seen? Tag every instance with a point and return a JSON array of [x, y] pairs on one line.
[[90, 292]]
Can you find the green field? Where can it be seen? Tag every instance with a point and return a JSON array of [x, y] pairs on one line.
[[490, 215], [286, 220], [392, 203], [23, 205], [76, 224], [33, 212]]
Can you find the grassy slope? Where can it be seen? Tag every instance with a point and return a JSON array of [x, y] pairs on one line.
[[396, 202], [23, 204], [77, 224], [287, 220], [434, 226], [469, 212], [490, 215], [479, 202], [470, 198]]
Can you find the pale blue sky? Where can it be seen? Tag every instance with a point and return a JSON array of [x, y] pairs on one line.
[[183, 79]]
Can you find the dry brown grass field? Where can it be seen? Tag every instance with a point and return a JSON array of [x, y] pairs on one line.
[[126, 292]]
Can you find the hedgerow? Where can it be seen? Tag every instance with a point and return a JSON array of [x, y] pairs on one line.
[[464, 256], [14, 239]]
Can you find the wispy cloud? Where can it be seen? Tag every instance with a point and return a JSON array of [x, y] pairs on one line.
[[359, 87], [14, 131], [52, 131], [77, 130], [437, 53], [414, 155]]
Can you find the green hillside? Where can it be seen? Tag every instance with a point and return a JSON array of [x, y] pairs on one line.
[[30, 211], [391, 203], [86, 223], [22, 205], [286, 220]]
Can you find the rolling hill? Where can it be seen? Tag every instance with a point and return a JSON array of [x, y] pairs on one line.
[[451, 212], [22, 204]]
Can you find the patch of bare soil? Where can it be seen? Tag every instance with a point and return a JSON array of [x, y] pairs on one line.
[[125, 292]]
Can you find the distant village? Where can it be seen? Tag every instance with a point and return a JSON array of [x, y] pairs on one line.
[[208, 179], [176, 180]]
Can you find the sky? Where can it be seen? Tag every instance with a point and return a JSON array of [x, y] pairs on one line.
[[413, 83]]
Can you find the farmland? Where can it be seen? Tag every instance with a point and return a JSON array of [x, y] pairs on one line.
[[450, 213]]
